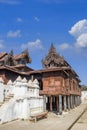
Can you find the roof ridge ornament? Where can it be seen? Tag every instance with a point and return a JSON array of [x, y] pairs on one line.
[[53, 59]]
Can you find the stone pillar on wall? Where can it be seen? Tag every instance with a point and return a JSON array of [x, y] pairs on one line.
[[36, 87], [20, 87], [10, 87], [60, 104], [65, 103], [2, 94]]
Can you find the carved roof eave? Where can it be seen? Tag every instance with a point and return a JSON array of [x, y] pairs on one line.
[[53, 56], [4, 58], [24, 54], [57, 61], [13, 69], [73, 72], [3, 54]]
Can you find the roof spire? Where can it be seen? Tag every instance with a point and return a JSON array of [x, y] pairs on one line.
[[52, 49], [53, 59]]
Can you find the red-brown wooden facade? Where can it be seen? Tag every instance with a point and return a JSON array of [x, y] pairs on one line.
[[58, 81]]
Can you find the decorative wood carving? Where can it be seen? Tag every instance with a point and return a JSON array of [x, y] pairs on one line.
[[53, 59], [12, 60]]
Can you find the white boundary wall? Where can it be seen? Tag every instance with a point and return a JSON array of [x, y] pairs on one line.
[[25, 102], [83, 95], [1, 90]]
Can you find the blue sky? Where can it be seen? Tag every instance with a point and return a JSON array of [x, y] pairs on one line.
[[35, 24]]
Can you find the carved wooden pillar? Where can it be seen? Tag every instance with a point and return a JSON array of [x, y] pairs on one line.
[[60, 104], [69, 102], [76, 101], [50, 103], [65, 103], [57, 104], [44, 103], [79, 100], [73, 101]]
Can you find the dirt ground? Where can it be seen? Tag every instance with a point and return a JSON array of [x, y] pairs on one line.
[[53, 122]]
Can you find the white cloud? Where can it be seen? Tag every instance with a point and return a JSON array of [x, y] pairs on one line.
[[81, 41], [35, 45], [1, 44], [14, 34], [36, 19], [64, 46], [79, 28], [19, 19], [12, 2], [79, 31]]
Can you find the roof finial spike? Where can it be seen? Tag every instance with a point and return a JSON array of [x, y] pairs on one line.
[[52, 50], [11, 53], [52, 44]]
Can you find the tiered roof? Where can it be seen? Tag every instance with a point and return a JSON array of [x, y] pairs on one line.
[[53, 59], [15, 62], [7, 57], [54, 62], [24, 54]]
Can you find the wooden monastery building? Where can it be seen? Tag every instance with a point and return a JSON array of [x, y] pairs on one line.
[[11, 66], [57, 80]]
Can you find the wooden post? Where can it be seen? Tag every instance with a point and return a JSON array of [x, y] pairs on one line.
[[65, 103], [69, 102], [50, 103], [57, 104], [60, 104], [44, 104], [79, 100], [75, 101]]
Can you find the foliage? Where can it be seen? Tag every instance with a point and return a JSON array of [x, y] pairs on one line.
[[84, 88]]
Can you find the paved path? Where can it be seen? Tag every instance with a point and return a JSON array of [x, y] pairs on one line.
[[53, 122], [81, 123]]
